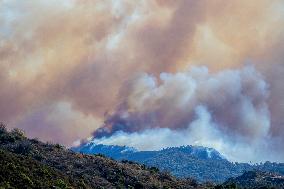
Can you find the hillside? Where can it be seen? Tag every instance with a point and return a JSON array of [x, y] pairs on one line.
[[18, 171], [29, 163], [256, 180], [201, 163]]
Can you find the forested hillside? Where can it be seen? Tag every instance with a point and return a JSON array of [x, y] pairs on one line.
[[201, 163], [29, 163]]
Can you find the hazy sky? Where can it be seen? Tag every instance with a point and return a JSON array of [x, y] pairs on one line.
[[195, 71]]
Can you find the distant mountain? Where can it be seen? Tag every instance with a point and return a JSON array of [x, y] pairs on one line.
[[201, 163], [122, 152], [115, 152]]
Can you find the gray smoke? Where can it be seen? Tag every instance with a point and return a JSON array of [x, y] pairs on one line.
[[226, 110]]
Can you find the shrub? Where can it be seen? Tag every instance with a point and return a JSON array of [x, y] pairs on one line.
[[82, 184], [6, 185], [143, 166], [127, 161], [2, 128], [100, 155], [61, 184], [58, 146], [154, 170], [23, 148], [7, 138], [18, 134], [124, 161], [35, 140], [26, 180]]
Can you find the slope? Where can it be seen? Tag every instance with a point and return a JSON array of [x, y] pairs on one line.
[[64, 168]]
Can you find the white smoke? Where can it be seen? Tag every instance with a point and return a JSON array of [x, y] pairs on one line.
[[226, 110]]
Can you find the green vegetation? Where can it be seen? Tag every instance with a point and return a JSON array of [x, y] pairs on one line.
[[18, 171], [29, 163], [255, 179], [181, 162]]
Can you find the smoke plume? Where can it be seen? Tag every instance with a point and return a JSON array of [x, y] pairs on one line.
[[192, 107], [72, 68]]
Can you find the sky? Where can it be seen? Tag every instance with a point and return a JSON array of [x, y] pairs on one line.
[[150, 73]]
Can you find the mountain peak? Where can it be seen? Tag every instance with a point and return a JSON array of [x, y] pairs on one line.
[[115, 151], [198, 151]]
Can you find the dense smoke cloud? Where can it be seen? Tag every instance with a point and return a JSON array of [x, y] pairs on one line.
[[192, 107], [67, 67]]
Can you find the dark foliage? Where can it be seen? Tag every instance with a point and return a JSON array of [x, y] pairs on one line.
[[18, 171], [29, 163], [256, 180]]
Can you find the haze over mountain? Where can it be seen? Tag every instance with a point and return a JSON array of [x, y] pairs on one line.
[[149, 74], [201, 163]]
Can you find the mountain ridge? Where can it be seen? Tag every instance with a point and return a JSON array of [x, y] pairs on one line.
[[197, 151], [30, 163], [197, 162]]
